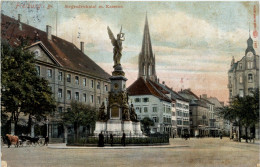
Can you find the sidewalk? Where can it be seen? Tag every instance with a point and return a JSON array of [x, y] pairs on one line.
[[63, 146]]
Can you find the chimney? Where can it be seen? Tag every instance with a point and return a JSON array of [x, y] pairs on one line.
[[82, 47], [48, 31], [19, 22], [158, 80], [163, 82], [204, 96]]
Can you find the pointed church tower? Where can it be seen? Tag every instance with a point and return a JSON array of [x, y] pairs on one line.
[[146, 57], [250, 47]]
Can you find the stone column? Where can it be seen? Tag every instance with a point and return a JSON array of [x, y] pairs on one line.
[[12, 128], [32, 130], [65, 134]]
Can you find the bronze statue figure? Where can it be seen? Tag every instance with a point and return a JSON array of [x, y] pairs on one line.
[[102, 115], [133, 115], [117, 43]]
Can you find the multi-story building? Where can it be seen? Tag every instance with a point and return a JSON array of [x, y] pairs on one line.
[[72, 75], [180, 113], [220, 123], [152, 103], [200, 113], [243, 76]]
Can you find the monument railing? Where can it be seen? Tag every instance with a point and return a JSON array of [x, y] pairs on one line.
[[87, 140]]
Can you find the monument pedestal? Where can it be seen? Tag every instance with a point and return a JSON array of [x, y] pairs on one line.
[[118, 119]]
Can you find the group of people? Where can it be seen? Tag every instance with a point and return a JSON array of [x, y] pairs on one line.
[[101, 142]]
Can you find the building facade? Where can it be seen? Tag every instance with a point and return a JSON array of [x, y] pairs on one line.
[[200, 113], [243, 75], [72, 75]]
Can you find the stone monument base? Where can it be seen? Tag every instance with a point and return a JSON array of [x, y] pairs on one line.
[[118, 127]]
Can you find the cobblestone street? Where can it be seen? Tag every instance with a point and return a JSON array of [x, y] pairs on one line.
[[208, 152]]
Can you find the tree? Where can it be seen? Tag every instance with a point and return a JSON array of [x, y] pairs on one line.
[[23, 91], [147, 122], [79, 115], [244, 109]]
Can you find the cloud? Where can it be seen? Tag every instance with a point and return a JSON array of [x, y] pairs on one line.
[[93, 31], [185, 31]]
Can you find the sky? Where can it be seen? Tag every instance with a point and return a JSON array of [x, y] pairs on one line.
[[193, 42]]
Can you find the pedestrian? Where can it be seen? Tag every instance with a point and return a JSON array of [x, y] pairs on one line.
[[46, 141], [123, 139], [111, 139], [220, 135], [101, 140]]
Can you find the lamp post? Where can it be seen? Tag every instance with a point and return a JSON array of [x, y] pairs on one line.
[[47, 122], [238, 134]]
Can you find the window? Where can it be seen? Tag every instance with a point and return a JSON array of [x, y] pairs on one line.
[[241, 93], [92, 83], [145, 109], [154, 109], [173, 105], [179, 122], [60, 93], [68, 78], [60, 109], [240, 66], [38, 70], [60, 76], [173, 113], [250, 91], [249, 64], [106, 89], [168, 110], [84, 82], [76, 80], [145, 100], [92, 98], [240, 79], [137, 100], [84, 97], [98, 85], [98, 98], [155, 119], [49, 73], [250, 77], [77, 96], [68, 94]]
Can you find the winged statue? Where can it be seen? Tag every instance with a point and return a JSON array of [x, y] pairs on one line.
[[117, 43]]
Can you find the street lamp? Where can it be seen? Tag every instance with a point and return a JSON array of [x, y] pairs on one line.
[[47, 122], [237, 119]]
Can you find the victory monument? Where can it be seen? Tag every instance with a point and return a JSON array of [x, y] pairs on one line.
[[117, 117]]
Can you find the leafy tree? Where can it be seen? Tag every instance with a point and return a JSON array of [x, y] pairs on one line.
[[23, 91], [79, 115], [245, 109], [147, 122]]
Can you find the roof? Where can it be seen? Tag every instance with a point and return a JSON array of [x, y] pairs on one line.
[[194, 99], [66, 53], [174, 95], [215, 101], [147, 87], [233, 67]]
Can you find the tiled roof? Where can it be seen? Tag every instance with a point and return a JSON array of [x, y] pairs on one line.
[[174, 94], [66, 53], [147, 87]]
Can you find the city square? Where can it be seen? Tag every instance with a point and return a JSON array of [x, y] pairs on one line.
[[205, 152]]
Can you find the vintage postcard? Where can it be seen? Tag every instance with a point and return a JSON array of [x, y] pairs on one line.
[[130, 83]]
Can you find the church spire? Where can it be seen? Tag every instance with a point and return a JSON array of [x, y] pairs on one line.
[[146, 57]]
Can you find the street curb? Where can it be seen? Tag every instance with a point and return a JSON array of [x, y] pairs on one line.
[[109, 147]]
